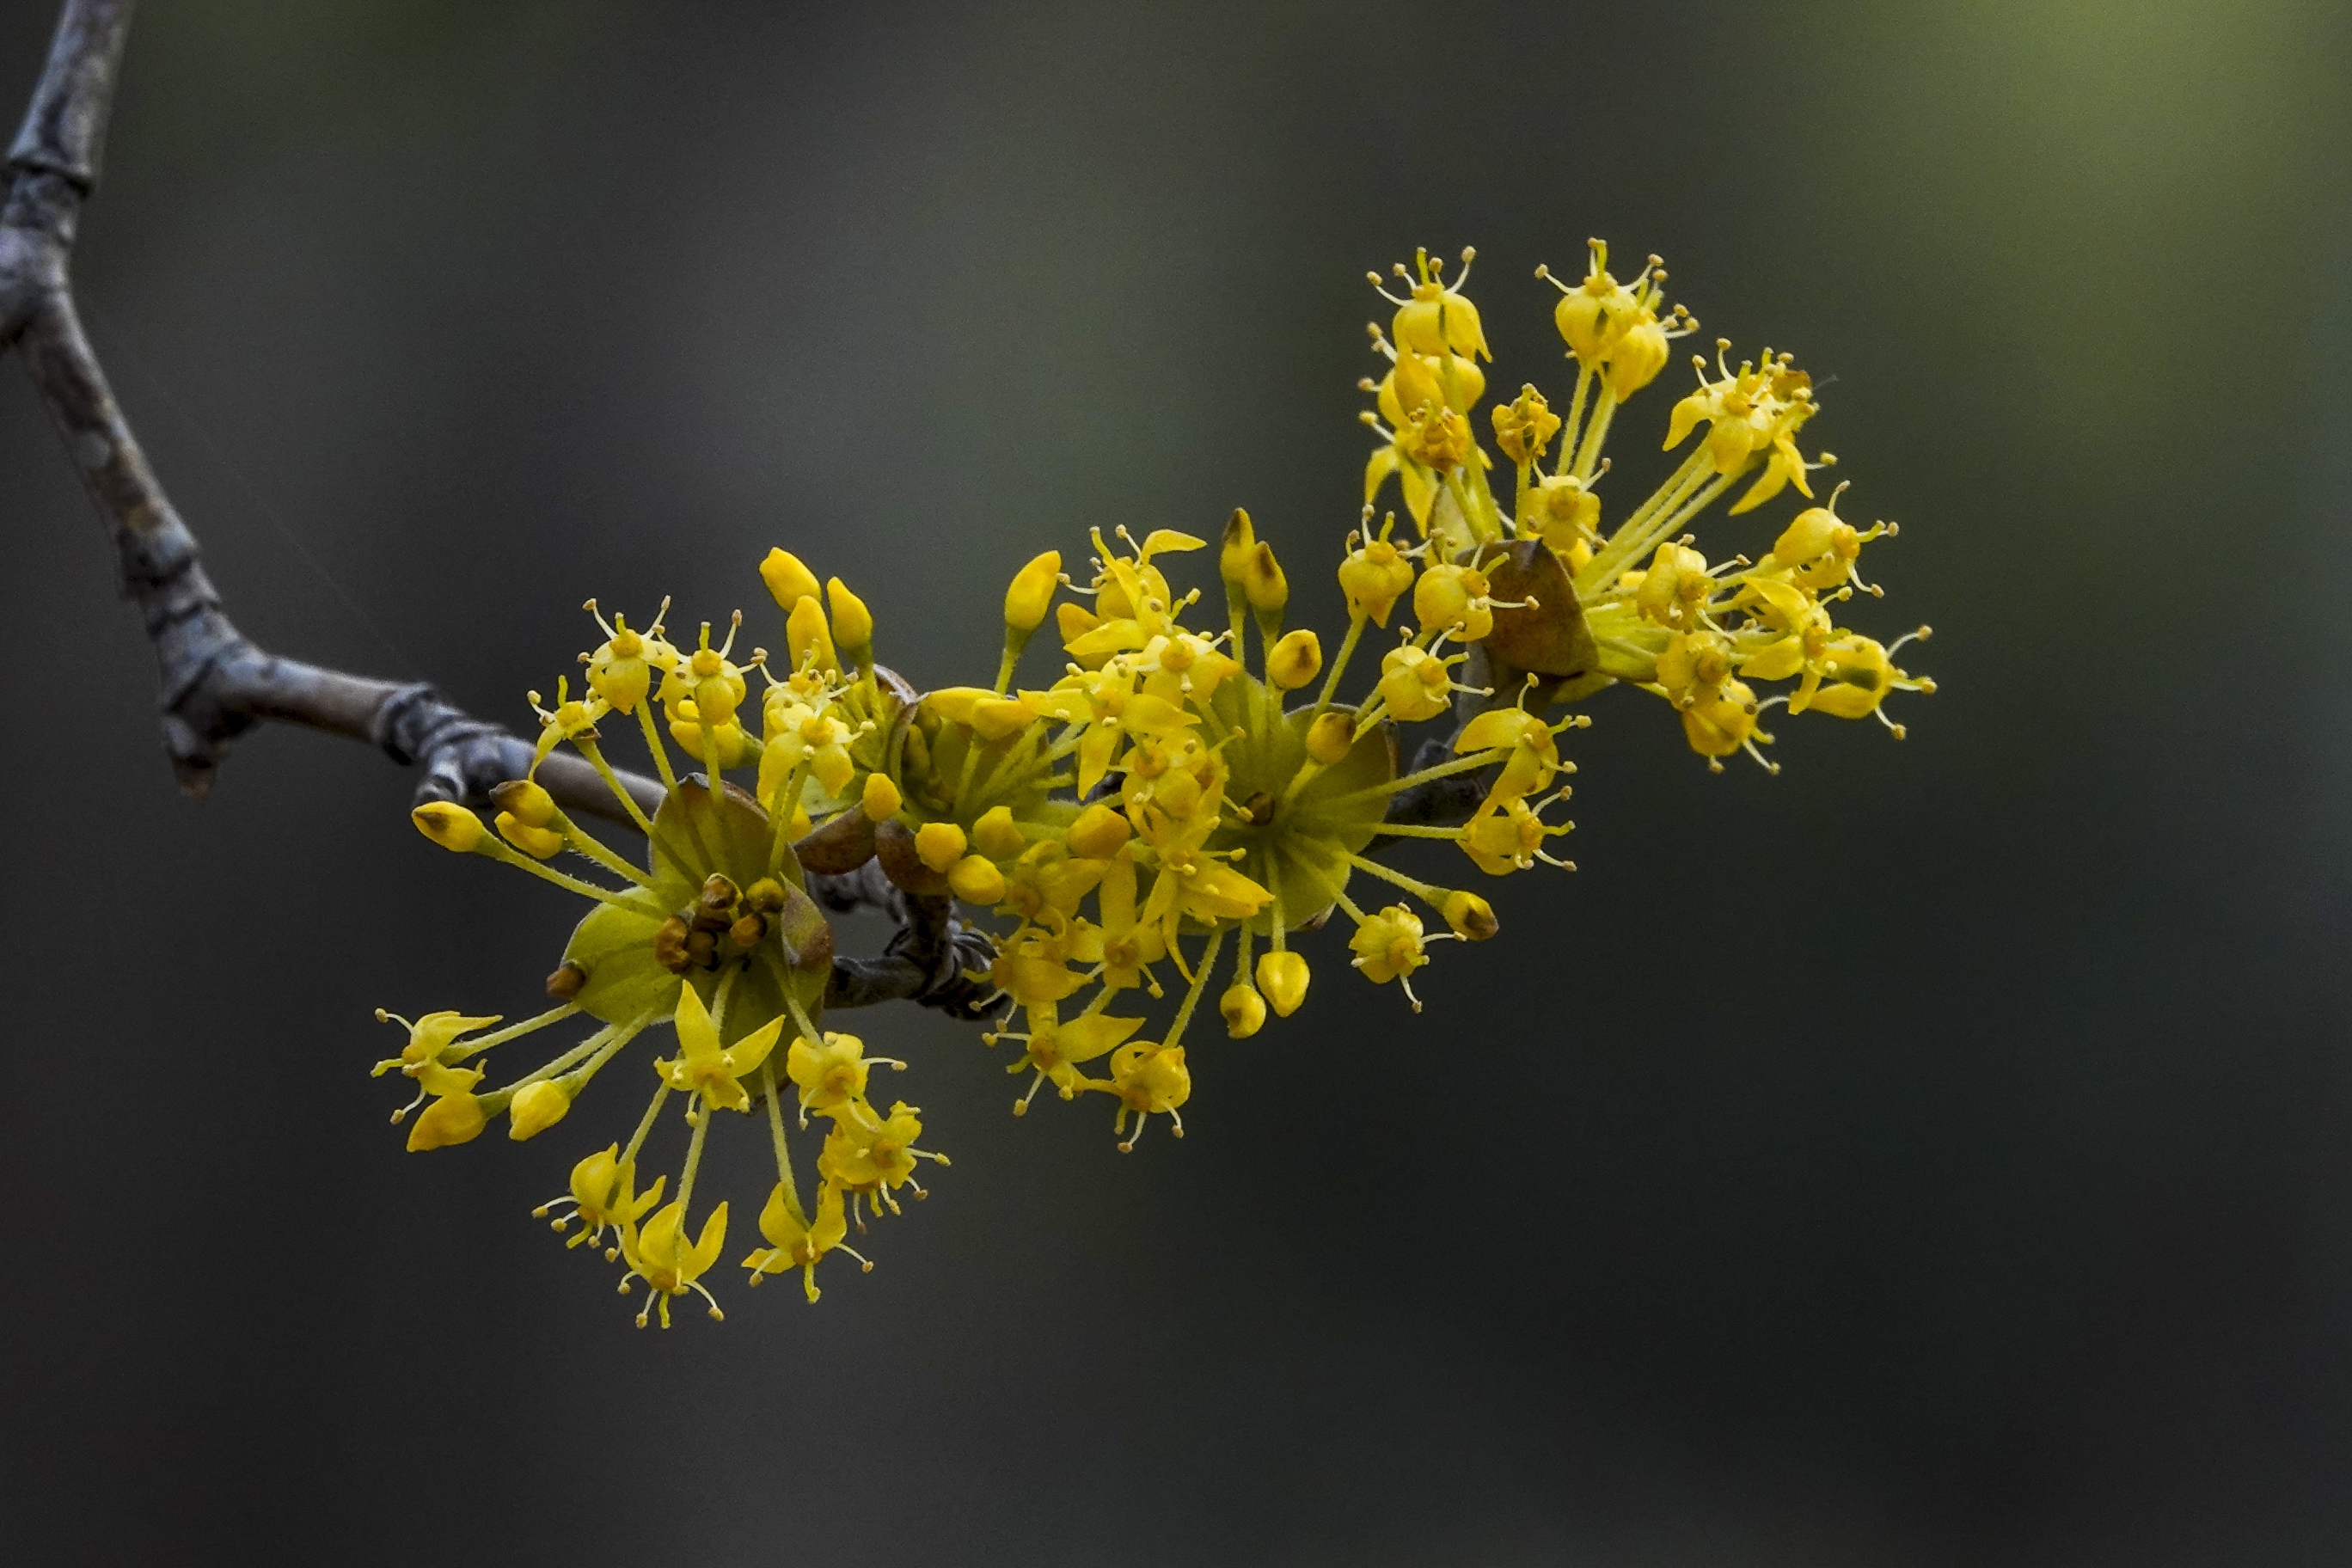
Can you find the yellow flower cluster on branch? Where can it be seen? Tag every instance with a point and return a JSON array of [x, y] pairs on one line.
[[1170, 813]]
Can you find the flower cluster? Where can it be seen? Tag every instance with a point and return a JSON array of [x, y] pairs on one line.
[[1168, 817]]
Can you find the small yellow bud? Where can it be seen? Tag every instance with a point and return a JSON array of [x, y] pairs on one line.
[[1000, 717], [853, 623], [1471, 917], [1263, 582], [975, 879], [1244, 1009], [787, 579], [528, 803], [1638, 357], [804, 630], [938, 844], [882, 799], [452, 1118], [539, 843], [1032, 592], [1240, 543], [538, 1107], [1100, 833], [1294, 661], [448, 824], [1283, 977], [996, 835], [1330, 738]]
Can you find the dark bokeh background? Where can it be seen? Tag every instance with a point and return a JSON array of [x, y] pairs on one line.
[[1935, 1155]]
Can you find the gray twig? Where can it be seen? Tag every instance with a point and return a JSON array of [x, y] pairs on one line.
[[217, 683]]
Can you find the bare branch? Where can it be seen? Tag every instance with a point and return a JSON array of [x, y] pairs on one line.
[[218, 683]]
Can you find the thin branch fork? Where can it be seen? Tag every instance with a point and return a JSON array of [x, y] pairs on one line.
[[218, 683]]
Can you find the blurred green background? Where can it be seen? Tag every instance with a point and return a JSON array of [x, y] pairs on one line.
[[1935, 1154]]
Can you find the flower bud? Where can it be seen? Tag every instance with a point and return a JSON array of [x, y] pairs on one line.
[[996, 835], [882, 800], [526, 801], [853, 623], [938, 844], [1243, 1010], [804, 631], [1283, 977], [1263, 582], [1234, 553], [976, 881], [1295, 660], [452, 1118], [1471, 917], [1032, 592], [1001, 718], [539, 843], [1637, 359], [787, 579], [536, 1107], [1330, 737], [448, 824], [1100, 833]]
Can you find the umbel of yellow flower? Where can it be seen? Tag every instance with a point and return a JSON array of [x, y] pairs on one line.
[[1178, 805]]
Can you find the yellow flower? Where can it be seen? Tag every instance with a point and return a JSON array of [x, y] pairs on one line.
[[429, 1037], [1534, 760], [661, 1256], [567, 721], [1457, 600], [1417, 685], [1387, 946], [1148, 1079], [1056, 1050], [1129, 946], [1435, 317], [832, 1074], [1375, 575], [1524, 426], [620, 670], [1033, 966], [1046, 883], [1508, 835], [602, 1197], [793, 1245], [868, 1154], [703, 1066]]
